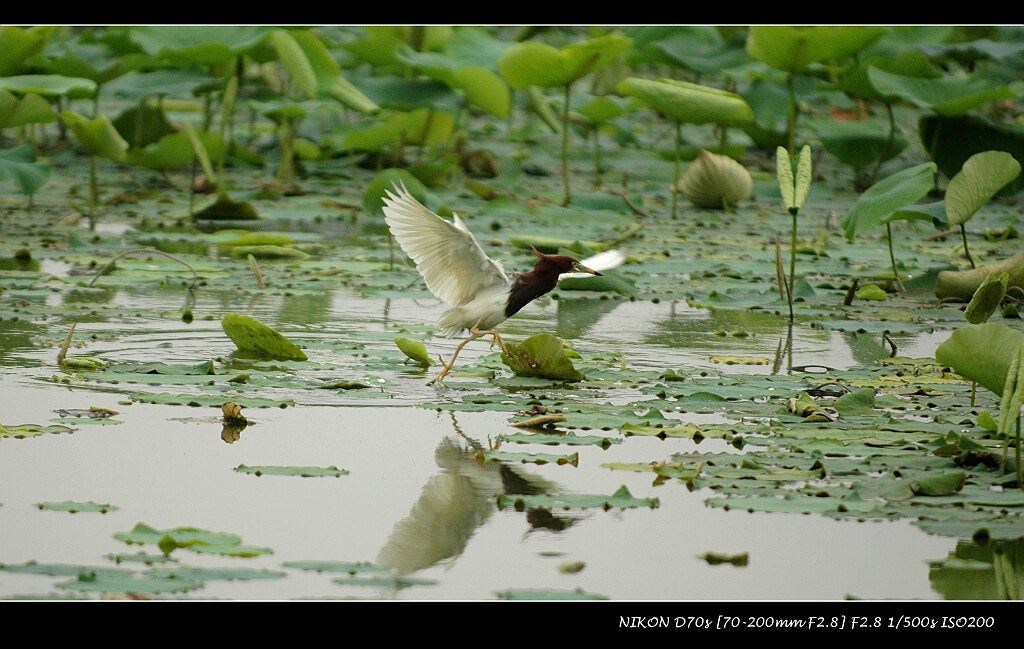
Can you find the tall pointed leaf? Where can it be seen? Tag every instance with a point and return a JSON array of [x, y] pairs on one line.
[[794, 189]]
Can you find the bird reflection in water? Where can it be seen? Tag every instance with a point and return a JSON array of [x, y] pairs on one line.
[[455, 503]]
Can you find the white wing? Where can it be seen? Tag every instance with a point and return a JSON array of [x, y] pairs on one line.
[[447, 255], [606, 260]]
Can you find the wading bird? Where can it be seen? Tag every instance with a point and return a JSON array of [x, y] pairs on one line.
[[457, 271]]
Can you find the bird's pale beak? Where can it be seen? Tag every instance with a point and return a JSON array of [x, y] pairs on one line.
[[584, 269]]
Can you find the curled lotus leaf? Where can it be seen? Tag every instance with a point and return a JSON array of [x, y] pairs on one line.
[[715, 181]]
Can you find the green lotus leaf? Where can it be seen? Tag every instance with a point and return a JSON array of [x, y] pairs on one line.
[[198, 44], [939, 485], [859, 401], [543, 356], [621, 499], [794, 49], [530, 458], [302, 471], [981, 177], [886, 196], [952, 140], [29, 109], [207, 574], [908, 63], [538, 594], [175, 150], [251, 335], [484, 89], [987, 298], [97, 136], [858, 143], [538, 64], [963, 284], [688, 103], [18, 44], [415, 350], [946, 96], [132, 584], [19, 166], [981, 353], [75, 507], [49, 85]]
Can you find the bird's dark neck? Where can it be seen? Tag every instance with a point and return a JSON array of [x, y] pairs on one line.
[[529, 286]]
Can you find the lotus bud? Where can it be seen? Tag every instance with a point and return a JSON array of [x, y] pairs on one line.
[[715, 181]]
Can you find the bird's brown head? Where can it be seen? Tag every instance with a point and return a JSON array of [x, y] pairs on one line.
[[555, 265]]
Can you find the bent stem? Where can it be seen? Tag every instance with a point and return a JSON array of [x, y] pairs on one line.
[[892, 256], [967, 252], [191, 290]]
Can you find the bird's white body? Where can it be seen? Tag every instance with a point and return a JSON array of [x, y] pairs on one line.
[[457, 270], [486, 310]]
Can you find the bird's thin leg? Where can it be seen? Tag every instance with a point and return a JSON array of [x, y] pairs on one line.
[[448, 366]]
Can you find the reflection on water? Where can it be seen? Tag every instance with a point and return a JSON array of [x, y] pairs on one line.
[[453, 505], [985, 570]]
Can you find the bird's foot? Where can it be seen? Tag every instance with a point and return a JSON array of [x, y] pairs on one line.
[[439, 377], [495, 338]]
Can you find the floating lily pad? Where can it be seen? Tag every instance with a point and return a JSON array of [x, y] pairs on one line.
[[350, 567], [131, 585], [621, 499], [207, 574], [191, 538], [303, 471], [75, 507], [547, 595], [530, 458], [21, 431]]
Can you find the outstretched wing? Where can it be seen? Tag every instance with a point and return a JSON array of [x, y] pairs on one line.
[[447, 255]]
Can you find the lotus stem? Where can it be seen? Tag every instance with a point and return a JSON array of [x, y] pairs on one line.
[[792, 264], [967, 252], [791, 127], [892, 255], [678, 163], [93, 192], [565, 147]]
